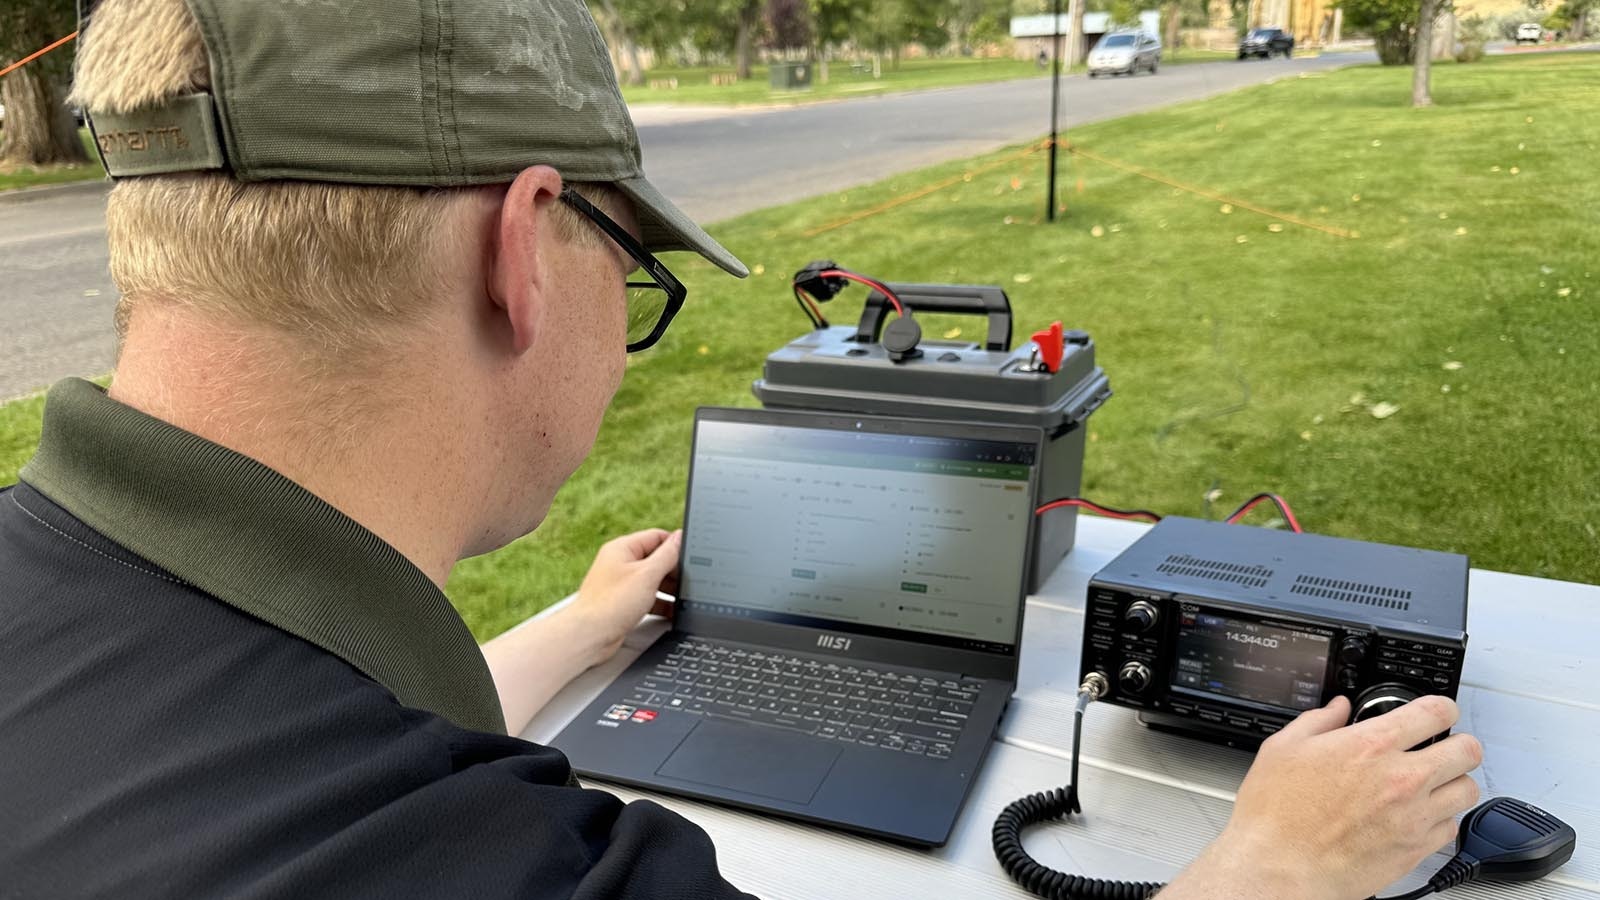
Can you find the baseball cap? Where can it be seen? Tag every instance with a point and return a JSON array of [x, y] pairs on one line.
[[442, 93]]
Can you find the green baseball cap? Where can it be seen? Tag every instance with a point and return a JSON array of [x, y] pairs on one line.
[[442, 93]]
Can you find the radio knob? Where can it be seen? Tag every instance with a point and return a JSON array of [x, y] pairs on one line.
[[1352, 651], [1381, 699], [1140, 617], [1134, 677]]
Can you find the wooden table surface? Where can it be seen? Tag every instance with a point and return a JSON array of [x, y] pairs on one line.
[[1530, 691]]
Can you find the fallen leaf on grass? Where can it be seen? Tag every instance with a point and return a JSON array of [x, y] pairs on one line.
[[1016, 184], [1213, 495], [1227, 209], [1564, 292], [704, 350], [1460, 231], [1305, 435], [1383, 410], [1444, 215], [1515, 171], [1115, 228], [1275, 228], [1452, 366], [1008, 220], [1444, 388], [1097, 231], [1241, 239], [1022, 278], [952, 334], [759, 269], [1355, 198]]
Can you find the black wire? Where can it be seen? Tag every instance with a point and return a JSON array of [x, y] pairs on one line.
[[1055, 804], [816, 317], [1283, 509], [1423, 891]]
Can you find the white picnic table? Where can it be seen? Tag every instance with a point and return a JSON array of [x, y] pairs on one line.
[[1530, 692]]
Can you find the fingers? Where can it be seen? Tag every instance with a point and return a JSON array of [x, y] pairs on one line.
[[637, 545], [1411, 724], [663, 558], [1453, 798], [1319, 721], [1450, 759]]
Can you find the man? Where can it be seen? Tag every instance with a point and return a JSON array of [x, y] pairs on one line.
[[374, 260]]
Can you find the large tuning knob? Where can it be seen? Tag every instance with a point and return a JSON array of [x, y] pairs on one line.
[[1381, 699]]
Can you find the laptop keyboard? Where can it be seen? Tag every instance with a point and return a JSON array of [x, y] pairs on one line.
[[871, 706]]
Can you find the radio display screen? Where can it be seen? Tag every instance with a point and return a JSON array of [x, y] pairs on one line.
[[1245, 659]]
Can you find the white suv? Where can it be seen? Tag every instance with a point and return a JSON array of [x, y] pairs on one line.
[[1529, 33]]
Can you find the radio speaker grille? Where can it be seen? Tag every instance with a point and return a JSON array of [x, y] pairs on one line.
[[1352, 592], [1215, 570]]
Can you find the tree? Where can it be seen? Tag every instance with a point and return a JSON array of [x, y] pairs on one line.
[[1392, 24], [39, 129], [621, 40], [748, 15], [789, 24], [1422, 65]]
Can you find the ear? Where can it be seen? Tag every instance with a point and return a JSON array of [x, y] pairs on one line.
[[518, 270]]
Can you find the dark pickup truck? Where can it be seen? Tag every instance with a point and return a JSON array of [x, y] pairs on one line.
[[1264, 42]]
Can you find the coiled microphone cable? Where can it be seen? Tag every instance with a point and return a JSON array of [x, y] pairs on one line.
[[1042, 880], [1502, 840]]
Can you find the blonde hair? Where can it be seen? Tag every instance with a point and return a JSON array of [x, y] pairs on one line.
[[339, 265]]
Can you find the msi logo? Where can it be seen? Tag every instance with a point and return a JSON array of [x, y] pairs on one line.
[[833, 642]]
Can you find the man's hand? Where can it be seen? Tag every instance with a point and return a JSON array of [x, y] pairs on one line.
[[1339, 813], [621, 586]]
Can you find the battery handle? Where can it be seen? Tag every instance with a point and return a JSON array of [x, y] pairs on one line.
[[966, 299]]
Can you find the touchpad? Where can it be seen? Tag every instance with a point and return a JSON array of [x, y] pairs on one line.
[[767, 762]]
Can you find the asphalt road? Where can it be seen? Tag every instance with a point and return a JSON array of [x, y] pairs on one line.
[[56, 294]]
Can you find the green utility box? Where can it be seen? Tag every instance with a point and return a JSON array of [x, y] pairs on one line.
[[790, 76]]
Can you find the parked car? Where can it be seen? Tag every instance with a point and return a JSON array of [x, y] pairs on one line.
[[1530, 33], [1264, 42], [1124, 52]]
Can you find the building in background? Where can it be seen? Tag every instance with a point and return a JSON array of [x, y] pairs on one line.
[[1030, 34]]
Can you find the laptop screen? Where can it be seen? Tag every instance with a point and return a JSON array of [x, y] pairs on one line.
[[889, 534]]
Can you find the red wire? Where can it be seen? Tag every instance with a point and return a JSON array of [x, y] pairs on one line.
[[878, 286], [1094, 507], [816, 314], [1282, 504]]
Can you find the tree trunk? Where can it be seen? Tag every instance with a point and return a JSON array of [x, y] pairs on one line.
[[1422, 48], [1171, 22], [746, 39], [1075, 54], [38, 128], [626, 49]]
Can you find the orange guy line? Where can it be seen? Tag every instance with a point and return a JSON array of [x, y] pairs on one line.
[[34, 55], [919, 193], [1208, 194]]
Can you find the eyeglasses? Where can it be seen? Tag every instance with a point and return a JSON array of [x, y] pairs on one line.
[[651, 303]]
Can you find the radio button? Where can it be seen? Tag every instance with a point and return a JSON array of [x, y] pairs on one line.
[[1213, 716], [1134, 677], [1386, 653], [1140, 617], [1391, 668], [1243, 723], [1352, 650], [1441, 679], [1414, 672], [1447, 652], [1268, 727], [1349, 679], [1181, 708]]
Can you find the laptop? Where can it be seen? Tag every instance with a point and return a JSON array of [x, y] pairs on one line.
[[847, 626]]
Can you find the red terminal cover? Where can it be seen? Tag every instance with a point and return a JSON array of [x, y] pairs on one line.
[[1052, 346]]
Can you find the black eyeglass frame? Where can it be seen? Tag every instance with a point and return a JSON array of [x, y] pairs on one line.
[[664, 279]]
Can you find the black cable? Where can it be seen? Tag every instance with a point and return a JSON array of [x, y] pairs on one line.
[[1055, 804]]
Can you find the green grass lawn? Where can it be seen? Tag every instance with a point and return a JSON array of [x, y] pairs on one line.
[[694, 84], [1242, 358], [30, 176]]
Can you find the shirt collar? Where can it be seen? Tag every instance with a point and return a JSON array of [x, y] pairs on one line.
[[257, 541]]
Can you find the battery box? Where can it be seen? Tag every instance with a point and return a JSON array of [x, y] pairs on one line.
[[846, 369]]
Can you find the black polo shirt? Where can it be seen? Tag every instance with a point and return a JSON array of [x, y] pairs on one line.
[[212, 683]]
